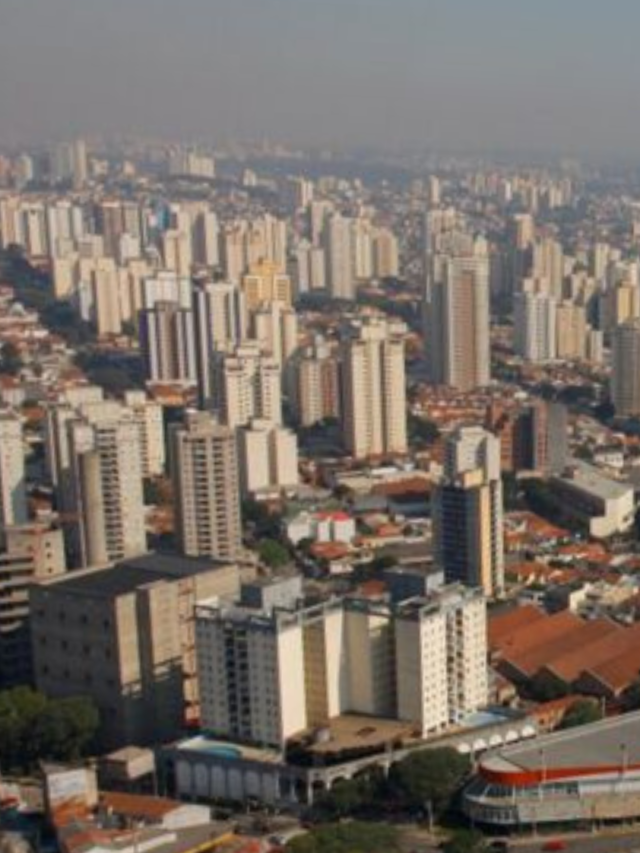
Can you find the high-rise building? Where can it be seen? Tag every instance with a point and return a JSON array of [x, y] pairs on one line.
[[33, 553], [625, 380], [107, 495], [248, 385], [441, 651], [275, 327], [266, 282], [124, 635], [457, 320], [271, 667], [571, 327], [337, 240], [13, 495], [148, 416], [468, 512], [220, 321], [533, 436], [315, 384], [268, 457], [535, 326], [204, 469], [374, 413], [167, 343]]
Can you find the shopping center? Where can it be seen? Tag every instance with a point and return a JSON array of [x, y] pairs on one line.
[[587, 774]]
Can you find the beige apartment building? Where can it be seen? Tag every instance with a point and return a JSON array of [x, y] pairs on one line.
[[204, 469], [124, 635]]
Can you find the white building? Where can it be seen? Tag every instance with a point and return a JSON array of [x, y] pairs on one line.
[[606, 507], [374, 393], [268, 457], [13, 497], [535, 326]]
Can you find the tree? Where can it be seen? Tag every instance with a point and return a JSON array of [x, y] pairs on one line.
[[431, 776], [582, 712], [66, 728], [273, 554], [34, 728], [10, 361], [465, 841], [352, 837]]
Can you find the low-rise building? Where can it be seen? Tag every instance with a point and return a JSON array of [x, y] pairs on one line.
[[605, 507]]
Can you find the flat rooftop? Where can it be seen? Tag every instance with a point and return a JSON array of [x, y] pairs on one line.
[[128, 575], [605, 744], [589, 479]]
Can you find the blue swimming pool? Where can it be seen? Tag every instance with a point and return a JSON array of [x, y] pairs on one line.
[[222, 751]]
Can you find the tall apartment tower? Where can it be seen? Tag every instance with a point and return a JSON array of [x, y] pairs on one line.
[[374, 413], [625, 380], [13, 496], [535, 326], [167, 343], [220, 320], [276, 328], [315, 384], [457, 319], [107, 498], [468, 512], [204, 464], [266, 282], [248, 384], [337, 239]]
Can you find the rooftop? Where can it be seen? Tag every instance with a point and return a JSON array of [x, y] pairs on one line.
[[590, 479], [601, 746], [127, 576]]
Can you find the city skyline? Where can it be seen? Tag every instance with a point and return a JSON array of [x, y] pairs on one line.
[[474, 77]]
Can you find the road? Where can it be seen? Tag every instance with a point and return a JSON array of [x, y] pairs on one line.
[[415, 840]]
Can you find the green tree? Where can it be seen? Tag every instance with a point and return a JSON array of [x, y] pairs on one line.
[[582, 711], [352, 837], [66, 728], [431, 776], [273, 554], [34, 728], [10, 361]]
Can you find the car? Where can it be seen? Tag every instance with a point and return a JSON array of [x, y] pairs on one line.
[[554, 846], [499, 845]]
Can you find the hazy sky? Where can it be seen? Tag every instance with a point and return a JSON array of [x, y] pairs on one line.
[[514, 74]]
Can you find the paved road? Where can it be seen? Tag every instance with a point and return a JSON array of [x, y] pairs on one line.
[[415, 840]]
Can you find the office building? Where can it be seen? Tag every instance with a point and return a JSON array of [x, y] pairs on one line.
[[373, 382], [123, 635], [468, 512], [204, 470]]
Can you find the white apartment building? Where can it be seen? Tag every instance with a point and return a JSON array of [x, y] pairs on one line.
[[535, 326], [267, 675], [248, 385], [374, 394]]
